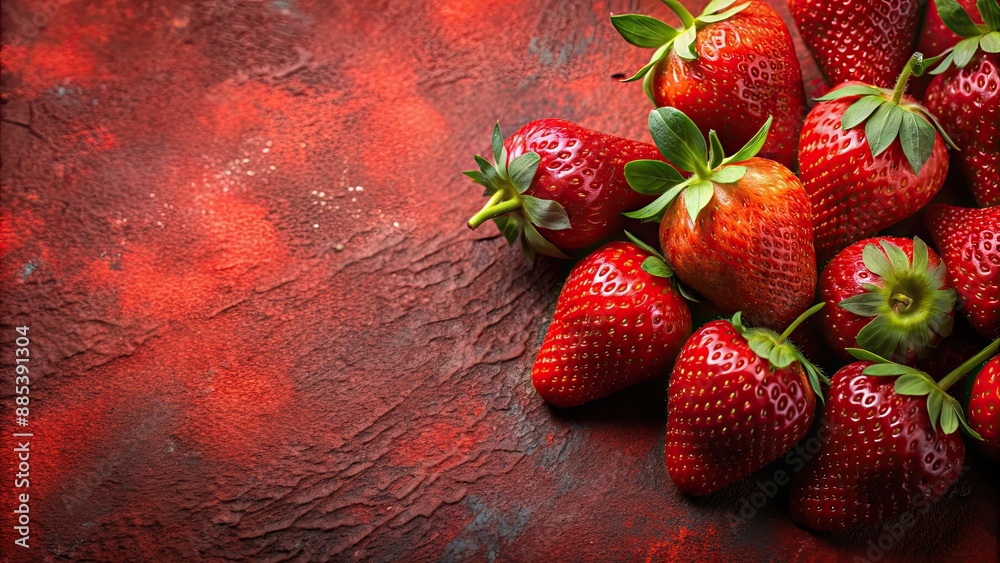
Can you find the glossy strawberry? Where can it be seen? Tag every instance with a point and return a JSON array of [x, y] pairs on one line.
[[933, 39], [731, 61], [738, 230], [888, 295], [738, 398], [868, 157], [558, 186], [965, 96], [864, 40], [618, 322], [888, 442], [969, 241], [984, 409], [967, 101]]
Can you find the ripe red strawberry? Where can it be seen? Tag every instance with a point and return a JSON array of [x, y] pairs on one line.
[[865, 40], [888, 295], [967, 101], [738, 399], [727, 62], [861, 180], [984, 409], [888, 442], [738, 231], [558, 186], [618, 322], [933, 39], [969, 241], [965, 96]]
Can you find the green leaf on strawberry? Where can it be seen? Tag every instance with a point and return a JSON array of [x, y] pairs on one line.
[[910, 308], [680, 141], [944, 411], [505, 185], [887, 117], [656, 265], [778, 351], [653, 177], [648, 32], [975, 37], [955, 17]]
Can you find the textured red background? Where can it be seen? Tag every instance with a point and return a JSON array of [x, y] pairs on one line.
[[239, 352]]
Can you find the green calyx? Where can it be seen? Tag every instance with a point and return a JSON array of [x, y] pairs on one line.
[[651, 33], [887, 117], [985, 36], [778, 351], [944, 411], [505, 185], [656, 265], [910, 308], [680, 141]]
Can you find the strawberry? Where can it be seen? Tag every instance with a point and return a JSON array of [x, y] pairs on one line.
[[864, 40], [969, 241], [729, 61], [963, 343], [860, 180], [738, 231], [935, 37], [558, 186], [888, 444], [984, 408], [890, 296], [965, 96], [738, 399], [618, 322]]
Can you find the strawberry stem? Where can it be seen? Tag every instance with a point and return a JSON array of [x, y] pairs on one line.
[[959, 372], [904, 77], [900, 302], [495, 208], [802, 318], [686, 18]]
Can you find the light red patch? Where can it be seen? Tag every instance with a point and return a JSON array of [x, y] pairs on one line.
[[234, 244]]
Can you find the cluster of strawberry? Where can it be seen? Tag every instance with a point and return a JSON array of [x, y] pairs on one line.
[[746, 236]]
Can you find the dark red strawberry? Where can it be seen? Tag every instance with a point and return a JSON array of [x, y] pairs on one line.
[[864, 40], [738, 399], [963, 343], [738, 231], [967, 101], [618, 322], [888, 295], [888, 442], [969, 241], [729, 69], [965, 96], [984, 409], [868, 157], [557, 186], [934, 39]]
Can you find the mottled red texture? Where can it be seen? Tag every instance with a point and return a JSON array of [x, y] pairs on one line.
[[215, 377]]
